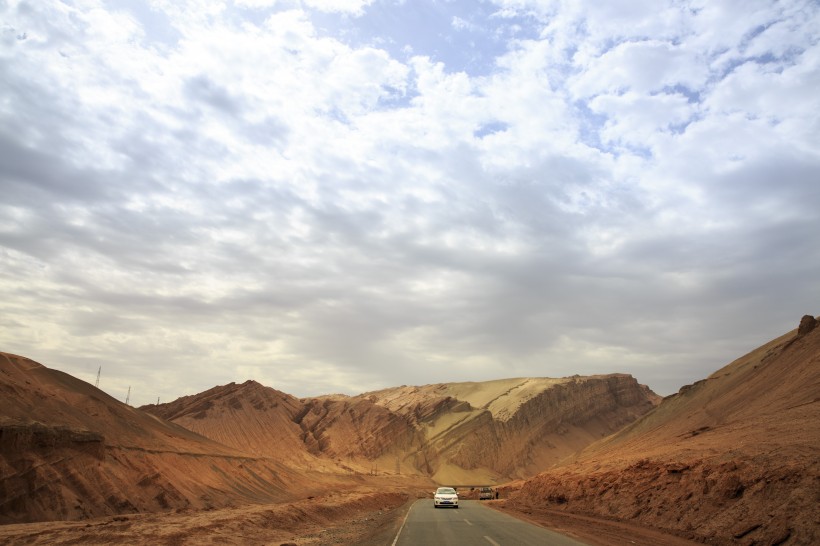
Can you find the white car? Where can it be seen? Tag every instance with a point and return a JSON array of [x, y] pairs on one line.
[[445, 496]]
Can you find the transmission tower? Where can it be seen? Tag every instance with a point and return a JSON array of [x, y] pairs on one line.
[[97, 383], [128, 396]]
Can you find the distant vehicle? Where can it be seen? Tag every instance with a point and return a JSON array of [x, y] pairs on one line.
[[486, 493], [445, 496]]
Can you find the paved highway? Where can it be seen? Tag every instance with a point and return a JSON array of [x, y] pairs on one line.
[[472, 524]]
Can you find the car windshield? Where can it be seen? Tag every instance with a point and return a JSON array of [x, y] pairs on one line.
[[445, 491]]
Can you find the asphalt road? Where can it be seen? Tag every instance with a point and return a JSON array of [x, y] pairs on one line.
[[472, 524]]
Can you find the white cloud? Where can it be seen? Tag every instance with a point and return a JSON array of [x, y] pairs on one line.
[[774, 91], [459, 23], [642, 67], [635, 119], [260, 4], [241, 193], [354, 7]]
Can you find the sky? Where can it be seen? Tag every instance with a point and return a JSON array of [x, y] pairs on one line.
[[338, 196]]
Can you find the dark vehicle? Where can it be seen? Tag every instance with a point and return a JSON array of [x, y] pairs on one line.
[[486, 493]]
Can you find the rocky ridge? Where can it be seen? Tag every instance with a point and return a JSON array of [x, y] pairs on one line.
[[477, 432], [70, 451], [731, 459]]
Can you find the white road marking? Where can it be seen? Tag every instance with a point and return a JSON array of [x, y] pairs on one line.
[[395, 540], [491, 541], [468, 522]]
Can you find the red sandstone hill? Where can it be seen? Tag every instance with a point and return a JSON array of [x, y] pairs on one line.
[[732, 459], [476, 432], [465, 433], [320, 434], [70, 451], [250, 417]]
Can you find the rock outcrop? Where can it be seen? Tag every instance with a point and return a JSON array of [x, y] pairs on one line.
[[731, 459], [512, 428], [20, 438], [479, 432], [807, 324], [70, 451]]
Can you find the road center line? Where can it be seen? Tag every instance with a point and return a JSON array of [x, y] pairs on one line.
[[491, 541], [467, 522]]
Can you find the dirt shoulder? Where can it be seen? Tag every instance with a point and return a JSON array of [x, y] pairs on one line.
[[362, 518], [592, 531], [334, 519]]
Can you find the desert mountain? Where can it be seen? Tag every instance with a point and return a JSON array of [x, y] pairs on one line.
[[249, 417], [732, 459], [70, 451], [463, 433]]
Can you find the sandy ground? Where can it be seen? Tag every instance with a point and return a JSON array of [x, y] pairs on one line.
[[335, 519], [365, 519], [593, 531]]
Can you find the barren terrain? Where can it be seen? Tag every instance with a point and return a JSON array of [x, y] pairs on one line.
[[482, 432], [732, 459]]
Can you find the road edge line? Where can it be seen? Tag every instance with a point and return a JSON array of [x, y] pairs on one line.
[[407, 515]]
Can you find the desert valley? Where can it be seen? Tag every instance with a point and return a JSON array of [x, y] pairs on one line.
[[731, 459]]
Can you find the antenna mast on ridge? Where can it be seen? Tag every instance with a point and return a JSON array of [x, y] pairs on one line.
[[97, 383], [128, 396]]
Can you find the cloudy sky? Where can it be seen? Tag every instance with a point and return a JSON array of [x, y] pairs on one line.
[[344, 195]]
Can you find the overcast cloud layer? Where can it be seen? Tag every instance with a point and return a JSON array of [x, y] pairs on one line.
[[344, 195]]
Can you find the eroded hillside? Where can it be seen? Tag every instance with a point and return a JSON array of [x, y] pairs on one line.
[[478, 432], [732, 459], [70, 451]]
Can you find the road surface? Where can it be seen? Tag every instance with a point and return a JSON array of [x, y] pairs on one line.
[[472, 524]]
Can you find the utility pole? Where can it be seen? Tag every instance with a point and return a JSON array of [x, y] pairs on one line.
[[128, 396], [97, 383], [158, 400]]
